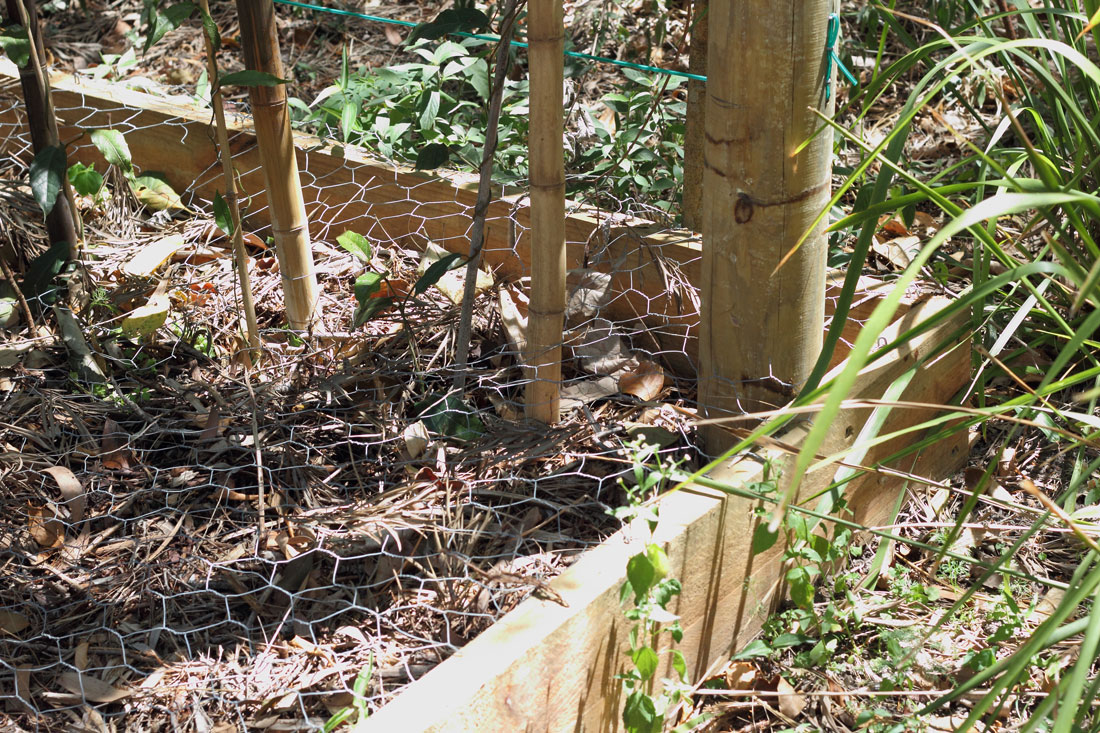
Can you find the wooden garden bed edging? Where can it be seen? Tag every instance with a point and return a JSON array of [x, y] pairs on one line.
[[551, 667], [547, 666], [346, 189]]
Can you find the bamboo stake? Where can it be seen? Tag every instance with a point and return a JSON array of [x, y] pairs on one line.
[[290, 228], [761, 329], [239, 253], [696, 120], [34, 79], [546, 35]]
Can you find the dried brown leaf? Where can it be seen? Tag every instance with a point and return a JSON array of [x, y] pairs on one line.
[[12, 622], [791, 703], [71, 490], [894, 226], [393, 36], [44, 526], [112, 448], [91, 689], [644, 381], [741, 676]]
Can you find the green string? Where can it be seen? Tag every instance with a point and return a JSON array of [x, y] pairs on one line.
[[831, 39], [495, 39]]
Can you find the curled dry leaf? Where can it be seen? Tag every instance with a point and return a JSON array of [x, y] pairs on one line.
[[153, 255], [113, 451], [416, 439], [893, 226], [740, 675], [899, 251], [513, 313], [644, 381], [588, 297], [791, 703], [71, 491], [45, 528], [393, 36], [91, 689]]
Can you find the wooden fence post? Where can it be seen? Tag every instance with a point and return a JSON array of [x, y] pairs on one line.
[[761, 329], [546, 35], [290, 228]]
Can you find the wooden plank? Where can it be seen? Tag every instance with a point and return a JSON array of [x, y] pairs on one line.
[[551, 667], [653, 270]]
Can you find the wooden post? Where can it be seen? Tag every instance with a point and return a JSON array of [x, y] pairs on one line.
[[34, 80], [761, 329], [546, 35], [696, 120], [290, 228]]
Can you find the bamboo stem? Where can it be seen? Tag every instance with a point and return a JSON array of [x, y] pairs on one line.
[[34, 79], [290, 227], [761, 329], [239, 253], [484, 197], [546, 35]]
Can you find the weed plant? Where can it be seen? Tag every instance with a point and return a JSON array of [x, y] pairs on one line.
[[432, 112]]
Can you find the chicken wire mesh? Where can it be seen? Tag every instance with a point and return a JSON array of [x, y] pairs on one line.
[[143, 584]]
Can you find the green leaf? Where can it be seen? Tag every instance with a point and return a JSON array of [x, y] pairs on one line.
[[679, 664], [37, 283], [659, 560], [16, 44], [47, 175], [161, 23], [85, 179], [640, 714], [640, 573], [210, 28], [449, 415], [664, 591], [362, 680], [250, 78], [645, 659], [431, 111], [369, 309], [452, 20], [432, 156], [754, 649], [223, 217], [355, 243], [338, 718], [762, 539], [348, 116], [783, 641], [438, 269], [366, 285], [112, 144]]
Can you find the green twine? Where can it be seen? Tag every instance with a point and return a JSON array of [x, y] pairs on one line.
[[496, 39], [831, 39]]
